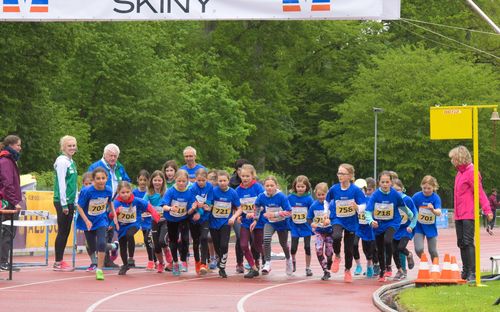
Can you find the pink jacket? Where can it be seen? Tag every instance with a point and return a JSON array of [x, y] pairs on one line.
[[463, 196]]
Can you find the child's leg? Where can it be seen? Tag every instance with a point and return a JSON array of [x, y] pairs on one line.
[[148, 242], [395, 253], [295, 245], [319, 244], [268, 234], [131, 241], [355, 249], [388, 238], [173, 234], [348, 247], [307, 250], [337, 239], [225, 233], [244, 242], [101, 246], [195, 230], [328, 240], [432, 246], [258, 243], [418, 241], [381, 253], [204, 230], [123, 249], [184, 229], [155, 233], [215, 234]]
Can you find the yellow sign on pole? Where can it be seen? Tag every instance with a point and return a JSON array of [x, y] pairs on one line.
[[451, 123]]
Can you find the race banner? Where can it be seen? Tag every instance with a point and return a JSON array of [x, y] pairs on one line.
[[126, 10]]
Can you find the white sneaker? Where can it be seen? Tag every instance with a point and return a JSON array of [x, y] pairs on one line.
[[289, 267], [266, 268]]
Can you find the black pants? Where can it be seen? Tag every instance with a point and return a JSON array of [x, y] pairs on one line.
[[96, 240], [110, 234], [295, 245], [465, 241], [399, 246], [5, 235], [148, 242], [369, 250], [348, 243], [237, 247], [160, 235], [384, 249], [355, 248], [174, 229], [63, 229], [127, 243], [199, 234], [220, 238]]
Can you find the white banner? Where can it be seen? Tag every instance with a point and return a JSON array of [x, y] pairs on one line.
[[107, 10]]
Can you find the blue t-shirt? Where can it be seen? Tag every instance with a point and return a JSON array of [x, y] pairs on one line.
[[316, 214], [426, 223], [192, 172], [299, 227], [364, 231], [405, 221], [146, 220], [248, 196], [340, 201], [384, 209], [129, 215], [183, 200], [222, 210], [276, 203], [94, 203], [155, 201], [202, 195]]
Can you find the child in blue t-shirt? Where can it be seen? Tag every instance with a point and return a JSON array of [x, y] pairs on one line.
[[382, 213], [146, 221], [274, 209], [318, 217], [300, 200], [202, 194], [248, 191], [92, 218], [129, 210], [175, 204], [222, 218], [428, 204]]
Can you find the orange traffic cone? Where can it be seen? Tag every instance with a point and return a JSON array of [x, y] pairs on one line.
[[455, 271], [435, 274], [424, 275], [446, 272]]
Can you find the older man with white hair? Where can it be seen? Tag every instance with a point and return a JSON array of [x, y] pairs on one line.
[[191, 166]]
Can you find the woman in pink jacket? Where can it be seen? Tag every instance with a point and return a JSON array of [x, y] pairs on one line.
[[463, 199]]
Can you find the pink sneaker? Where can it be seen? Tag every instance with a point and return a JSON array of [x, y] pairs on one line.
[[388, 274], [150, 266], [348, 276], [168, 255], [336, 264], [63, 267], [382, 279], [161, 267]]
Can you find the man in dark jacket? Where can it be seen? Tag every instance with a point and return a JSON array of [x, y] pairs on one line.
[[10, 190]]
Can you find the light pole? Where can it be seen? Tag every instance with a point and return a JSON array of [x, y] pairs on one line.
[[376, 110]]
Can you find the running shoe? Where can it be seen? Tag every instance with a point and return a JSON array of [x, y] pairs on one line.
[[240, 269], [376, 269], [267, 268], [388, 273], [247, 266], [197, 267], [168, 255], [160, 268], [203, 269], [123, 269], [99, 275], [150, 266], [399, 276], [369, 272], [131, 263], [358, 270], [251, 273], [411, 262], [169, 267], [381, 279], [326, 275], [63, 267], [114, 251], [289, 267], [91, 268], [336, 264], [213, 264], [222, 273], [347, 276], [294, 266], [175, 269], [183, 266], [309, 272]]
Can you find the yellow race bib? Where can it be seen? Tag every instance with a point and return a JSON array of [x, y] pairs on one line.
[[299, 215], [383, 211]]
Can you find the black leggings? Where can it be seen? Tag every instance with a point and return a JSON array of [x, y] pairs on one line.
[[399, 246], [148, 242], [369, 250], [125, 241], [295, 245], [160, 235], [384, 249], [174, 228], [221, 243], [63, 229], [96, 240], [199, 234], [355, 248], [348, 244]]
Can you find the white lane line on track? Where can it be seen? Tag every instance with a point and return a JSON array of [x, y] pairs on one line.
[[97, 303], [241, 302]]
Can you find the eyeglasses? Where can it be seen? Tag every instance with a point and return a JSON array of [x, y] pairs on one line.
[[342, 174]]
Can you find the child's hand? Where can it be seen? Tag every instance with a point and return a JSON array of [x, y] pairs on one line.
[[269, 215], [250, 215], [326, 221], [231, 220], [430, 206], [355, 206], [196, 217], [374, 224], [206, 207], [88, 224], [252, 226], [116, 224], [174, 209], [409, 230], [314, 226]]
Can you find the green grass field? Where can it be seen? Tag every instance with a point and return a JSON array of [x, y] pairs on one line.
[[451, 298]]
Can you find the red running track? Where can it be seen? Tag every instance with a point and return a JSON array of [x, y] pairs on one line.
[[42, 288]]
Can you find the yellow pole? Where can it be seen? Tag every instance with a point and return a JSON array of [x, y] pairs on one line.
[[476, 194]]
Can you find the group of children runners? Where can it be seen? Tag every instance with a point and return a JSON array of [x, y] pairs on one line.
[[170, 208]]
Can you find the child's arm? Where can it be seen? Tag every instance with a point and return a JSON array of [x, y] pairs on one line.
[[82, 214], [115, 217], [154, 214]]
